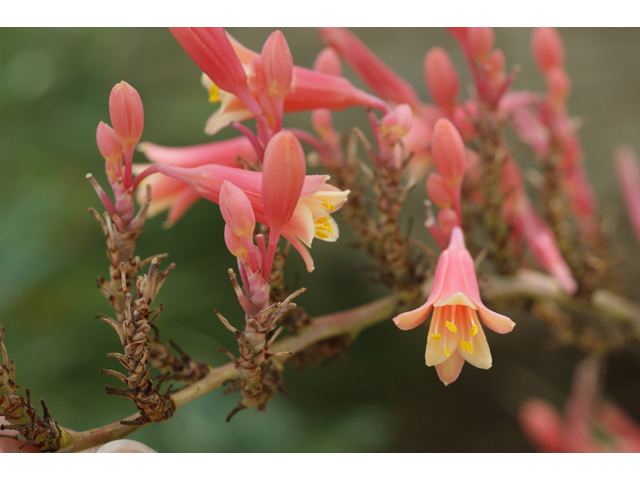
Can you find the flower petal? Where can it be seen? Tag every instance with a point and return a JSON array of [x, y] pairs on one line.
[[449, 370], [496, 322], [481, 355], [409, 320]]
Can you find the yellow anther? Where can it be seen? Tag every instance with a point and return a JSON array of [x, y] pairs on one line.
[[446, 351], [322, 220], [214, 94], [474, 330], [436, 336], [463, 345], [329, 206], [470, 347], [451, 326], [321, 234]]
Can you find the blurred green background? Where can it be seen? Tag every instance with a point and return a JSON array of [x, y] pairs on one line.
[[54, 89]]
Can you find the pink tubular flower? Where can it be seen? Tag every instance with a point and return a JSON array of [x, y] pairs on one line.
[[176, 196], [480, 41], [312, 214], [455, 333], [373, 71]]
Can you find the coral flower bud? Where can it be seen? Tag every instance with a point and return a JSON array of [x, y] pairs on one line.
[[277, 64], [127, 115], [441, 77], [284, 169], [237, 210], [460, 33], [480, 41], [283, 173], [438, 192], [328, 61], [449, 155], [547, 48], [108, 144]]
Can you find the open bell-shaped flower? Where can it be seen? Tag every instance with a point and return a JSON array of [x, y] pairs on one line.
[[455, 333]]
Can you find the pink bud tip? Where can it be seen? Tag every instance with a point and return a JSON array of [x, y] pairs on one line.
[[547, 48], [448, 152], [127, 115], [237, 210], [328, 61], [284, 169], [438, 192], [441, 77], [277, 64], [108, 144], [480, 41]]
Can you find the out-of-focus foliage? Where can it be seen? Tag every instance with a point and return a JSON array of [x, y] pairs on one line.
[[54, 89]]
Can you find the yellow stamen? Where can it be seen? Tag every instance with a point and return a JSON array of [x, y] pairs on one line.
[[470, 347], [436, 336], [463, 345], [321, 234], [446, 351], [214, 94], [474, 330], [322, 220], [451, 327], [329, 206]]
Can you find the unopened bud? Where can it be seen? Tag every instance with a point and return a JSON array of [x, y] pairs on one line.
[[328, 61], [448, 152], [283, 173], [277, 64], [108, 144], [441, 77], [237, 210], [480, 40], [127, 115], [547, 48], [448, 219]]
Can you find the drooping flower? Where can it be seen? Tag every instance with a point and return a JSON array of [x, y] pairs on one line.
[[455, 333]]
